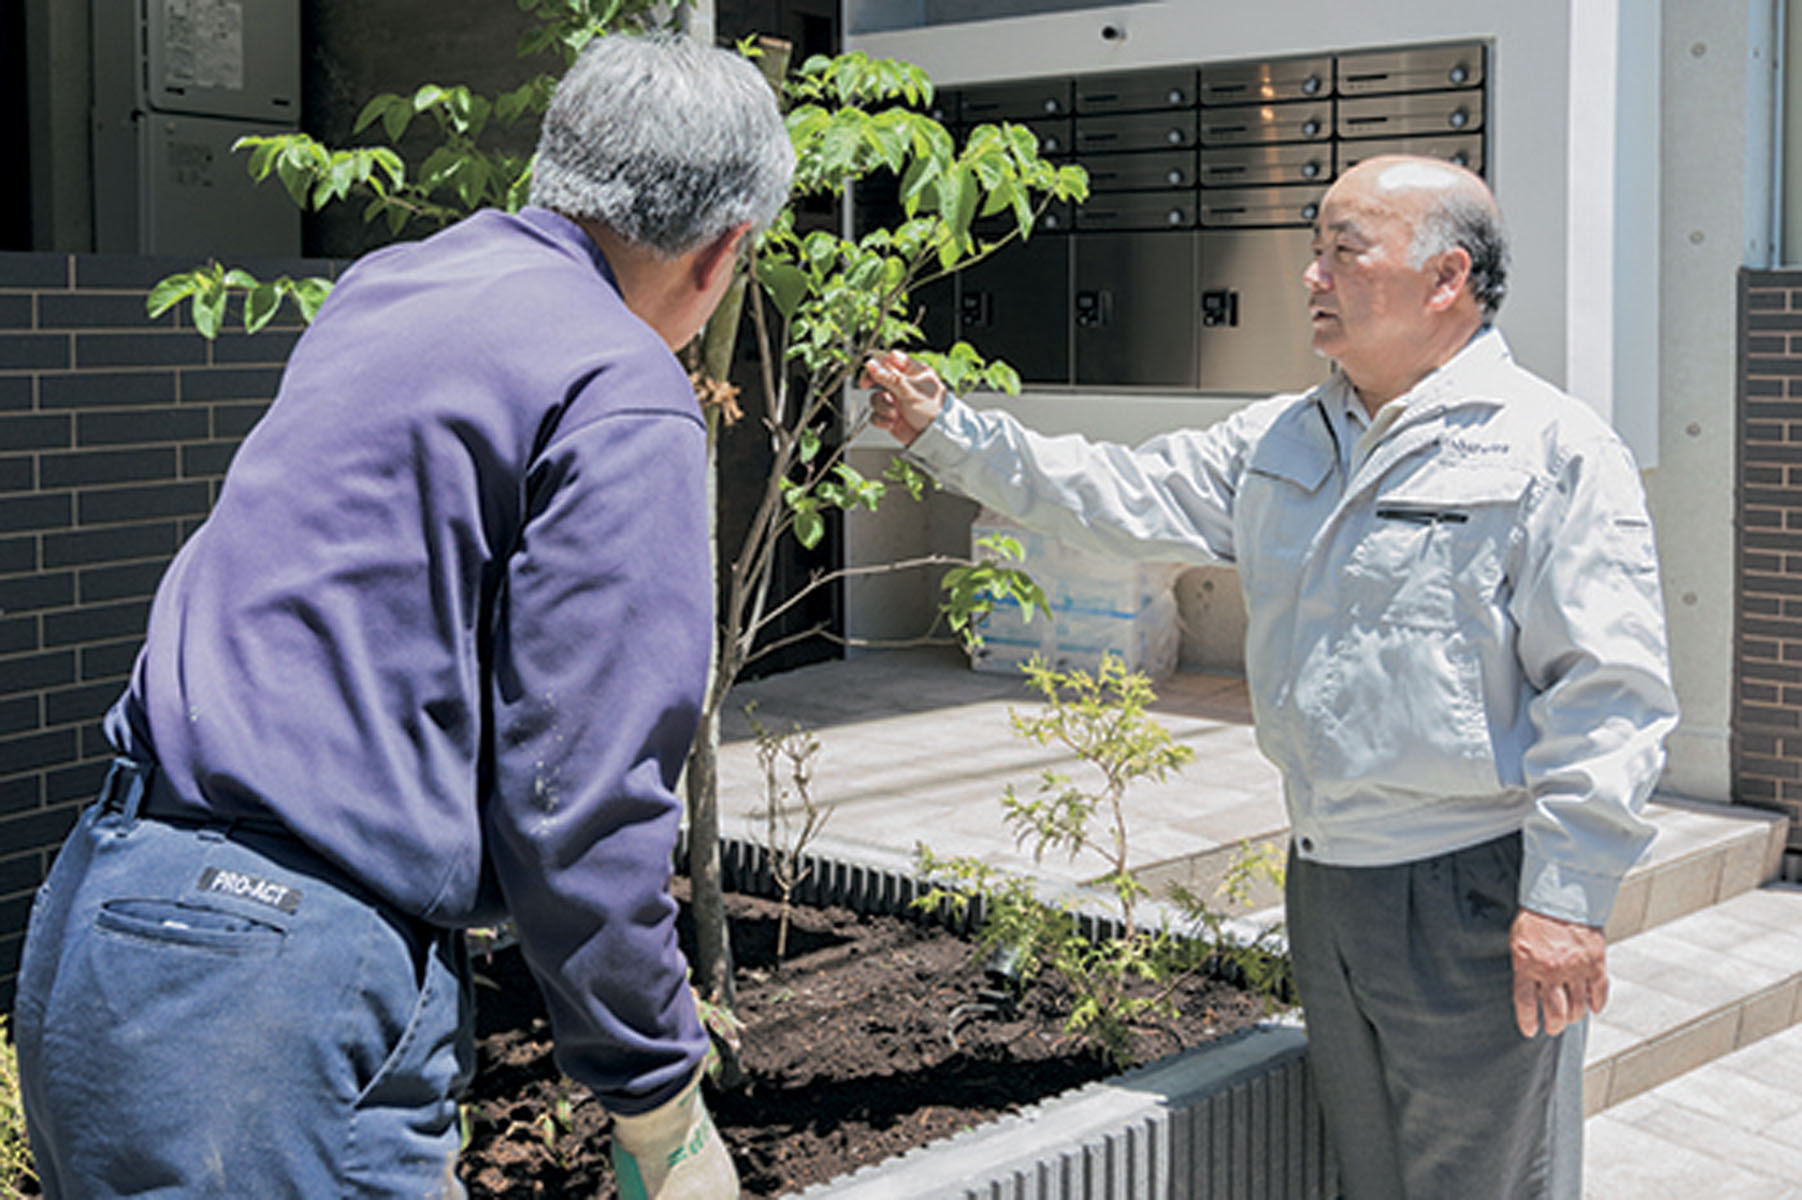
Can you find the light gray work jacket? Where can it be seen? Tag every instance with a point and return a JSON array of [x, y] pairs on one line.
[[1458, 636]]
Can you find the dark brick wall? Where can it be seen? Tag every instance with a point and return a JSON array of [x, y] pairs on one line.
[[115, 432], [1767, 709]]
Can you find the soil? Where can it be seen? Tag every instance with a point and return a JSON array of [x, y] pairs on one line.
[[851, 1051]]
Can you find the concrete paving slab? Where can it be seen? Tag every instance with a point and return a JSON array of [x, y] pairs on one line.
[[1724, 1129]]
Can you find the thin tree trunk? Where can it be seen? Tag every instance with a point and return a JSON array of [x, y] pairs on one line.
[[713, 943]]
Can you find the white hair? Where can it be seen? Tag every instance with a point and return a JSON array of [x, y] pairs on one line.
[[667, 142]]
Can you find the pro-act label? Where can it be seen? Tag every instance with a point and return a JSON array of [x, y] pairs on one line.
[[219, 881]]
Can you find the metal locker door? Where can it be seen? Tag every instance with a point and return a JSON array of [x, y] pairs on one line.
[[1252, 332], [1134, 309], [934, 309], [1016, 306]]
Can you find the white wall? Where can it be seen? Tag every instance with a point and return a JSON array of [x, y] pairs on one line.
[[1715, 200]]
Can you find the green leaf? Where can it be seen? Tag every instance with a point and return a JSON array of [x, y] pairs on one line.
[[810, 444], [239, 278], [261, 304], [262, 158], [170, 292], [810, 527], [786, 285], [309, 294], [209, 312], [292, 169]]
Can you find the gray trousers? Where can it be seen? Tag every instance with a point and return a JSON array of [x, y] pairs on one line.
[[1429, 1090]]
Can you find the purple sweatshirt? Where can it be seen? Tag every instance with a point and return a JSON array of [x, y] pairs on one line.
[[449, 622]]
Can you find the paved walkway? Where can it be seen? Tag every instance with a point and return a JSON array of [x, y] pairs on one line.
[[916, 747]]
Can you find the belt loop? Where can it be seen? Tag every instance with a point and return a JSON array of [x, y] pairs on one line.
[[125, 788]]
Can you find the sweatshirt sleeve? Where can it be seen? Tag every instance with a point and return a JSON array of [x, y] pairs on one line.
[[1170, 499], [600, 657], [1592, 645]]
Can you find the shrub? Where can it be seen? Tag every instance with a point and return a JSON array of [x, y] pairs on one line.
[[1120, 983]]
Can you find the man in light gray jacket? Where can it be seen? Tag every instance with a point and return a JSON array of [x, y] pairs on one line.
[[1456, 654]]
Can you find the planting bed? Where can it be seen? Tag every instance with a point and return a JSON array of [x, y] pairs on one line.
[[846, 1049]]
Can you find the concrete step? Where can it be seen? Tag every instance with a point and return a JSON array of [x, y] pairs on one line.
[[1703, 854], [1693, 989]]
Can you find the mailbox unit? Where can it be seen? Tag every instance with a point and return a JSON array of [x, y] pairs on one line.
[[1183, 269]]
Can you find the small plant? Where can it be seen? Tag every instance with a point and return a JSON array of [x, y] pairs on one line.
[[558, 1120], [1123, 983], [787, 760], [15, 1151]]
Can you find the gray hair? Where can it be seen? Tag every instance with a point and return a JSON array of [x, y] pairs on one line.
[[667, 142], [1464, 217]]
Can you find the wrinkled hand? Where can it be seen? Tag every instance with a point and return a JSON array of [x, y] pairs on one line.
[[1560, 972], [908, 395], [673, 1153]]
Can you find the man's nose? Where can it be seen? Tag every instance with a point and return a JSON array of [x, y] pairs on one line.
[[1314, 276]]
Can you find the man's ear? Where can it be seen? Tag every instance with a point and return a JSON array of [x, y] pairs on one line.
[[716, 256], [1451, 270]]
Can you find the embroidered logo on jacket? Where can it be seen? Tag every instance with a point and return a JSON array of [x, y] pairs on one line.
[[248, 887]]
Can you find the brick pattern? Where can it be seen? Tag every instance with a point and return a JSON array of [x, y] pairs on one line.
[[1767, 710], [115, 432]]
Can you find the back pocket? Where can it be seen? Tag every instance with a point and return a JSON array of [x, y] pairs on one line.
[[188, 925]]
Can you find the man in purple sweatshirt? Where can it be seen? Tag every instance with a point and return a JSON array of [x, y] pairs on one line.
[[434, 661]]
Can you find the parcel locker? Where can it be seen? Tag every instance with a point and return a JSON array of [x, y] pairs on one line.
[[1015, 306], [1421, 69], [1252, 331], [933, 307], [1136, 91], [1139, 172], [1466, 150], [1276, 79], [1134, 309], [1135, 132], [989, 103], [1308, 121], [1411, 114], [1250, 166], [1053, 134], [1137, 210], [1260, 206]]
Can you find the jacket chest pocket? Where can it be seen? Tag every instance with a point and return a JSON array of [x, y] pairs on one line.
[[1281, 506], [1435, 547]]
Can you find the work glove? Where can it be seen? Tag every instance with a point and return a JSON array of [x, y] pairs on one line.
[[673, 1152]]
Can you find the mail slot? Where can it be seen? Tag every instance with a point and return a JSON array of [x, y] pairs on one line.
[[1015, 101], [1410, 115], [1136, 91], [1139, 172], [1416, 70], [1139, 131], [1138, 210], [1260, 206], [1249, 166], [1280, 79], [1253, 123], [1466, 150]]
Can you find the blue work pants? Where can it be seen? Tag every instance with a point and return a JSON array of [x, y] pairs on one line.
[[212, 1010]]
